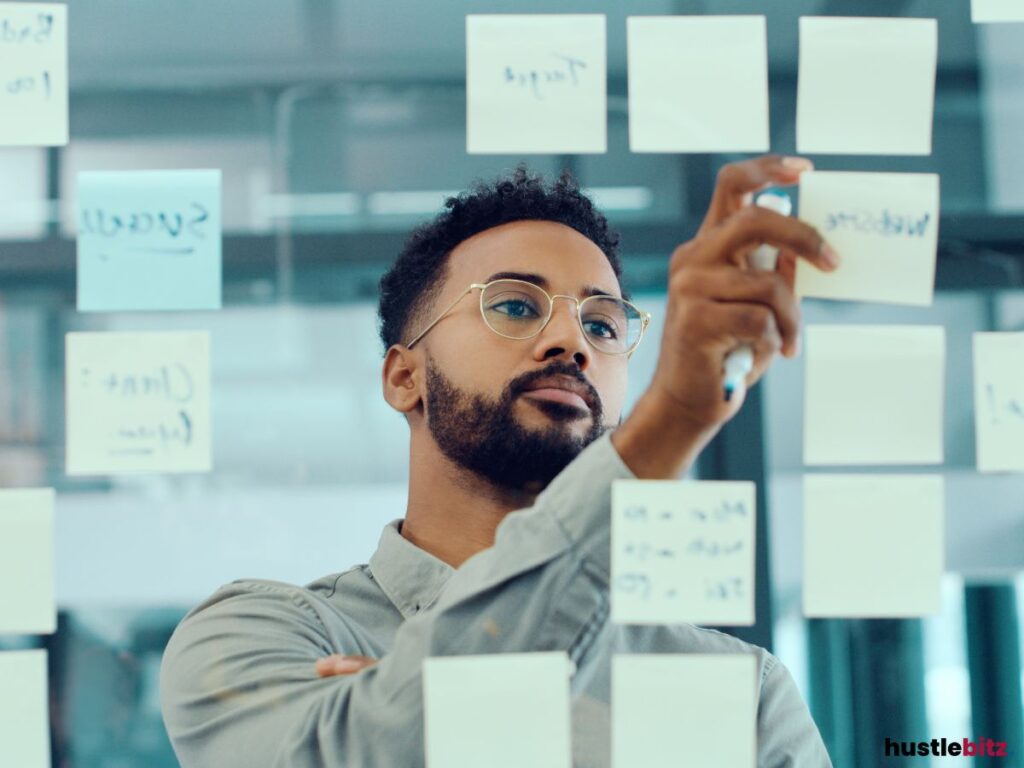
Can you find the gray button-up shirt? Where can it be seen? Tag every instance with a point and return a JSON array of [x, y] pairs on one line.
[[238, 683]]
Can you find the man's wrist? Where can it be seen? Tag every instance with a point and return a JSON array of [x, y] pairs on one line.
[[657, 442]]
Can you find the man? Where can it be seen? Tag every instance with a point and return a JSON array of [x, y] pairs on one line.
[[507, 340]]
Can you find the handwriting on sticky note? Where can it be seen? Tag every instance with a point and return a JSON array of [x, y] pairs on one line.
[[33, 74], [535, 83], [26, 561], [999, 401], [682, 552], [149, 240], [885, 228], [138, 402]]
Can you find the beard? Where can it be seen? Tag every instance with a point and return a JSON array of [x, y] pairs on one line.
[[484, 436]]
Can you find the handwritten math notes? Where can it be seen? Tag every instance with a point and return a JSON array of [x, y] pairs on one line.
[[999, 401], [26, 562], [149, 240], [24, 710], [536, 84], [682, 552], [138, 402], [866, 86], [698, 710], [874, 545], [988, 11], [874, 394], [503, 711], [698, 83], [33, 74], [885, 227]]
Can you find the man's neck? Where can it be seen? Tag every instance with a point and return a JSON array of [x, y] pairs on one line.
[[453, 513]]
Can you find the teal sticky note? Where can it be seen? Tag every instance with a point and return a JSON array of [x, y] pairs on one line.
[[149, 240]]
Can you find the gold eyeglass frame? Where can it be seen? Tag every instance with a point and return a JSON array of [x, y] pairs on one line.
[[645, 317]]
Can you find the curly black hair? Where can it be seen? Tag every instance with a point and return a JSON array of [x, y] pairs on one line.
[[412, 283]]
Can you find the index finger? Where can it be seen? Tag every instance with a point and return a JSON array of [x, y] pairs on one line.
[[737, 182]]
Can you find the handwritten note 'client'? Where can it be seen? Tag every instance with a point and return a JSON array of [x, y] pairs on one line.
[[698, 83], [873, 545], [885, 227], [692, 709], [536, 84], [33, 74], [866, 86], [988, 11], [138, 402], [149, 240], [999, 401], [682, 552], [26, 562], [24, 710], [504, 711], [874, 394]]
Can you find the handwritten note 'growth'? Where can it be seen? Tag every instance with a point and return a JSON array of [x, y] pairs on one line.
[[149, 240], [886, 229], [33, 74], [999, 401], [682, 552], [138, 402], [535, 84]]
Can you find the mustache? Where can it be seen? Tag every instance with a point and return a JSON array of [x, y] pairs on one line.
[[521, 383]]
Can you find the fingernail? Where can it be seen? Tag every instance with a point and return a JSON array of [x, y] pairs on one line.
[[797, 163], [346, 665], [830, 255]]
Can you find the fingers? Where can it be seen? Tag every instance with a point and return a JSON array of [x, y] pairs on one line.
[[753, 226], [339, 664], [766, 289], [737, 182], [734, 324]]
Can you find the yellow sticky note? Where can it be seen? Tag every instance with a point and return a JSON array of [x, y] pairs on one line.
[[24, 710], [874, 545], [989, 11], [866, 86], [26, 562], [536, 84], [693, 709], [138, 402], [697, 83], [33, 74], [885, 227], [683, 552], [999, 401], [504, 711], [874, 394]]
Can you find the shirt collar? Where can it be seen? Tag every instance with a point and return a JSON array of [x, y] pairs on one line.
[[411, 577]]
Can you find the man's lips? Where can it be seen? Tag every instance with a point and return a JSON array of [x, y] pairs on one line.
[[556, 395]]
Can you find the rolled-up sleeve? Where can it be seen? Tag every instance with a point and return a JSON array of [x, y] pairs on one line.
[[238, 684]]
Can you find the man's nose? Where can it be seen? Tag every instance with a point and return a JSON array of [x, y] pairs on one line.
[[563, 336]]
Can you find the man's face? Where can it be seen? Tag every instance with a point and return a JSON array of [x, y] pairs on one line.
[[504, 408]]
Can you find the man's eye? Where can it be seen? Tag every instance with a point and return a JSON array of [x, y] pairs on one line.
[[600, 329], [514, 308]]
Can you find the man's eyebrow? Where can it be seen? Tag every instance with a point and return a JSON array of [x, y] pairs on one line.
[[532, 277]]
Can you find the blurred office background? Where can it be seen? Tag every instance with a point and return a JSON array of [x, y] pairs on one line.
[[340, 125]]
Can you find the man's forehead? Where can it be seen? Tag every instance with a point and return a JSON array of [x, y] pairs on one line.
[[552, 255]]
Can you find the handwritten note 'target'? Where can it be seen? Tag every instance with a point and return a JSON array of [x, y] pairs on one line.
[[989, 11], [682, 552], [536, 84], [138, 402], [999, 401], [698, 83], [885, 227], [149, 240], [866, 86], [33, 74], [874, 545]]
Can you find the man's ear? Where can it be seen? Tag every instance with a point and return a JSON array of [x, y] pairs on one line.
[[400, 379]]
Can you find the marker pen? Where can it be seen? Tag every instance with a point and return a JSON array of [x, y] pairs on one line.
[[740, 362]]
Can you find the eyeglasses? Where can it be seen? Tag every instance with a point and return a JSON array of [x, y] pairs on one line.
[[517, 309]]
